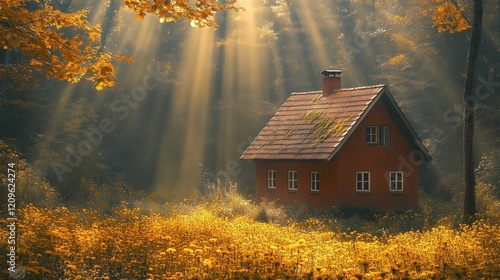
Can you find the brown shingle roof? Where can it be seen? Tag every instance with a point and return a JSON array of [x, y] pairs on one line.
[[309, 126]]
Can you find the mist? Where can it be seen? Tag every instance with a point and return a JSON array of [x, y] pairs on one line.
[[183, 112]]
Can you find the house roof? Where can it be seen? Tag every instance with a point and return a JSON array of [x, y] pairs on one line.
[[309, 126]]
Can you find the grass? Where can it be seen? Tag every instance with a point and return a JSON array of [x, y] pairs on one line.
[[222, 236]]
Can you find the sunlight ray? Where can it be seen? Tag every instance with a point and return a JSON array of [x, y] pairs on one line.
[[188, 117], [245, 54], [312, 28], [56, 120], [429, 63]]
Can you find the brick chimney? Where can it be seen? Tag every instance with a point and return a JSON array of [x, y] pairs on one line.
[[331, 81]]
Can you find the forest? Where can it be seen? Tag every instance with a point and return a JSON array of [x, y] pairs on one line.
[[122, 124]]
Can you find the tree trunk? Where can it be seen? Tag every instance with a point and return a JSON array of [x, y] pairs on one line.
[[109, 20], [498, 16], [468, 117]]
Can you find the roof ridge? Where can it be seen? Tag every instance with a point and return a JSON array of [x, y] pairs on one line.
[[307, 92], [363, 87], [340, 89]]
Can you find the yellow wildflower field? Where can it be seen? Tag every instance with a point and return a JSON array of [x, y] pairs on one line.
[[199, 244]]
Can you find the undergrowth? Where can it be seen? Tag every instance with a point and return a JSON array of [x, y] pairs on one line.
[[224, 235]]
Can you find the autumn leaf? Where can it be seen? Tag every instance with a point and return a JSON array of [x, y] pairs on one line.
[[36, 62], [139, 16], [106, 69], [124, 58], [41, 34], [448, 18]]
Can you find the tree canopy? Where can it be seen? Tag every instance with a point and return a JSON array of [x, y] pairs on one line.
[[39, 40]]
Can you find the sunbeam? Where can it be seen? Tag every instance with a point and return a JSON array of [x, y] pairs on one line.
[[225, 83], [187, 119], [264, 146], [247, 54]]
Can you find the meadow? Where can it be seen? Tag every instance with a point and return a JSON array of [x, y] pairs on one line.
[[225, 236]]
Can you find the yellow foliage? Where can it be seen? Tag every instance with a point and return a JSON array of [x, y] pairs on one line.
[[78, 244], [200, 14], [448, 18], [403, 42], [396, 60], [41, 35]]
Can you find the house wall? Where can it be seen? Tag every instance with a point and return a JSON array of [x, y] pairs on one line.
[[338, 176], [356, 155], [321, 199]]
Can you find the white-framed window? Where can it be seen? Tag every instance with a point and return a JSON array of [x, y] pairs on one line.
[[385, 136], [363, 181], [292, 180], [314, 181], [396, 180], [371, 134], [271, 179]]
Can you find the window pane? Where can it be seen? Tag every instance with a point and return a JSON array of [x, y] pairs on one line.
[[388, 136], [385, 135], [314, 181], [363, 181], [271, 178], [396, 181], [292, 180], [371, 134]]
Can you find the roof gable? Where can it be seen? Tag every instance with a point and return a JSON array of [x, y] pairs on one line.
[[309, 126]]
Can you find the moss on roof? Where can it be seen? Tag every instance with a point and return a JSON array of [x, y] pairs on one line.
[[323, 127]]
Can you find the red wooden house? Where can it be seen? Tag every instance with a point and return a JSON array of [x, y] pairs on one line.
[[339, 147]]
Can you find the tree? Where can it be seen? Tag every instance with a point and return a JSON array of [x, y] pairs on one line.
[[468, 119], [37, 39], [449, 17], [51, 43], [201, 14]]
